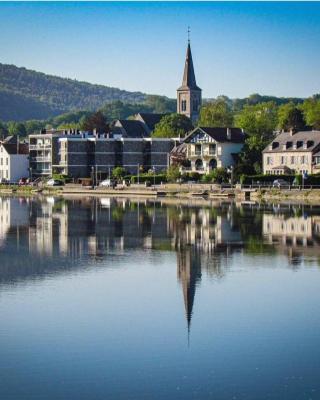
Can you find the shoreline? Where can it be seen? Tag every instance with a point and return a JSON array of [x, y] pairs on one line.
[[189, 192]]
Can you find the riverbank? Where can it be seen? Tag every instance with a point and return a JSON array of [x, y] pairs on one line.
[[183, 191]]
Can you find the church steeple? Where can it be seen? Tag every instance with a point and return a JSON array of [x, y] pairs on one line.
[[189, 94], [189, 79]]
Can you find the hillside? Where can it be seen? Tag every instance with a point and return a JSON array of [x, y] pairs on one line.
[[26, 94]]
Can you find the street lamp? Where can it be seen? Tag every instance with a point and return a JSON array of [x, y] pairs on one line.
[[92, 176], [230, 171], [154, 175]]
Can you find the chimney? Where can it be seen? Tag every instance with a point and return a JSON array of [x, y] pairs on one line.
[[292, 131], [229, 133]]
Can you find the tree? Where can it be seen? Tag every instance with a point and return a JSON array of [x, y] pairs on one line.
[[216, 114], [173, 173], [16, 128], [3, 130], [95, 121], [33, 126], [290, 116], [259, 122], [172, 125], [311, 111], [118, 173]]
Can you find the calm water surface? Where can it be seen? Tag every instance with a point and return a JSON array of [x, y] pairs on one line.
[[121, 299]]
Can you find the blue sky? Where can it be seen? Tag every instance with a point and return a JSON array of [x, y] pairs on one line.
[[238, 48]]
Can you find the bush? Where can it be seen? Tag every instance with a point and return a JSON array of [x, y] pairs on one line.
[[249, 179], [173, 173], [61, 177], [158, 178], [191, 176], [118, 173]]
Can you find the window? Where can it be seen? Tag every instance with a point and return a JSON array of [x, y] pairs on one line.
[[292, 159], [198, 149], [1, 161], [269, 161], [212, 149], [283, 160], [7, 161], [184, 105], [304, 159]]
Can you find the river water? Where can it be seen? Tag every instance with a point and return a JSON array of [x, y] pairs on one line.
[[148, 299]]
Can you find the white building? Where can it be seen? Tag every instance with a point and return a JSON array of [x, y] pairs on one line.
[[205, 149], [14, 160]]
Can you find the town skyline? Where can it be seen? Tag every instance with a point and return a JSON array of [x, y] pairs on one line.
[[259, 38]]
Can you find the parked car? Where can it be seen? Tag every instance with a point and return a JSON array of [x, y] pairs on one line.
[[3, 180], [278, 183], [23, 181], [54, 182], [107, 183]]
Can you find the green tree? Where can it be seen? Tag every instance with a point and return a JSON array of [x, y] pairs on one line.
[[118, 173], [311, 110], [259, 122], [33, 126], [216, 114], [172, 125], [173, 173], [290, 116], [16, 128], [95, 121], [3, 130]]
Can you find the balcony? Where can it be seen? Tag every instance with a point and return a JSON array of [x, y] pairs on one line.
[[40, 159], [40, 146]]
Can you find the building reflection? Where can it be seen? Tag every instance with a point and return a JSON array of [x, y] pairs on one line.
[[50, 235]]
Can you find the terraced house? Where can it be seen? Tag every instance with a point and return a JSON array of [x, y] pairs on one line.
[[293, 153]]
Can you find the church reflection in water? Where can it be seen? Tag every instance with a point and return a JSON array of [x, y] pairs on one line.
[[50, 235]]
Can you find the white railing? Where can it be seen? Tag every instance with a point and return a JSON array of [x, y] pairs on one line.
[[39, 146], [40, 159]]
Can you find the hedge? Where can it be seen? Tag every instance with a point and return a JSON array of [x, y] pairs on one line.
[[248, 180], [158, 178]]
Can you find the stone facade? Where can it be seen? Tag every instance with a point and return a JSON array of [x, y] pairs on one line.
[[293, 153]]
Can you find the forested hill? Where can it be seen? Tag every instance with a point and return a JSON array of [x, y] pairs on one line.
[[26, 94]]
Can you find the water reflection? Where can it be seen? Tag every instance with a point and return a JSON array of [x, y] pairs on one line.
[[45, 236]]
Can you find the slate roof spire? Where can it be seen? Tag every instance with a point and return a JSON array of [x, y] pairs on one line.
[[189, 79]]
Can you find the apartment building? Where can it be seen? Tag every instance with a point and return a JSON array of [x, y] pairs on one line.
[[79, 154]]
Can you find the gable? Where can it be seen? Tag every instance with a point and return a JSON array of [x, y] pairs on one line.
[[199, 136]]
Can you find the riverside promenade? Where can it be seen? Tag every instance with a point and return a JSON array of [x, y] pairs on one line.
[[186, 191]]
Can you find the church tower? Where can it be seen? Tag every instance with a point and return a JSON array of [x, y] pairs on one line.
[[189, 94]]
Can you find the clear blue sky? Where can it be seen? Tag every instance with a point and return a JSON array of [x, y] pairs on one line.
[[238, 48]]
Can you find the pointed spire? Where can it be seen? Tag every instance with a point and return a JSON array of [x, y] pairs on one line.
[[189, 273], [189, 79]]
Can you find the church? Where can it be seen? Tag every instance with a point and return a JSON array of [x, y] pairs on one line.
[[204, 148]]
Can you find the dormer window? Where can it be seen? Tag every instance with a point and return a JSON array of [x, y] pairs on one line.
[[299, 144], [310, 143], [275, 145], [288, 145]]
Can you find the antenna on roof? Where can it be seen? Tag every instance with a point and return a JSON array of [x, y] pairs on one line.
[[188, 34]]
